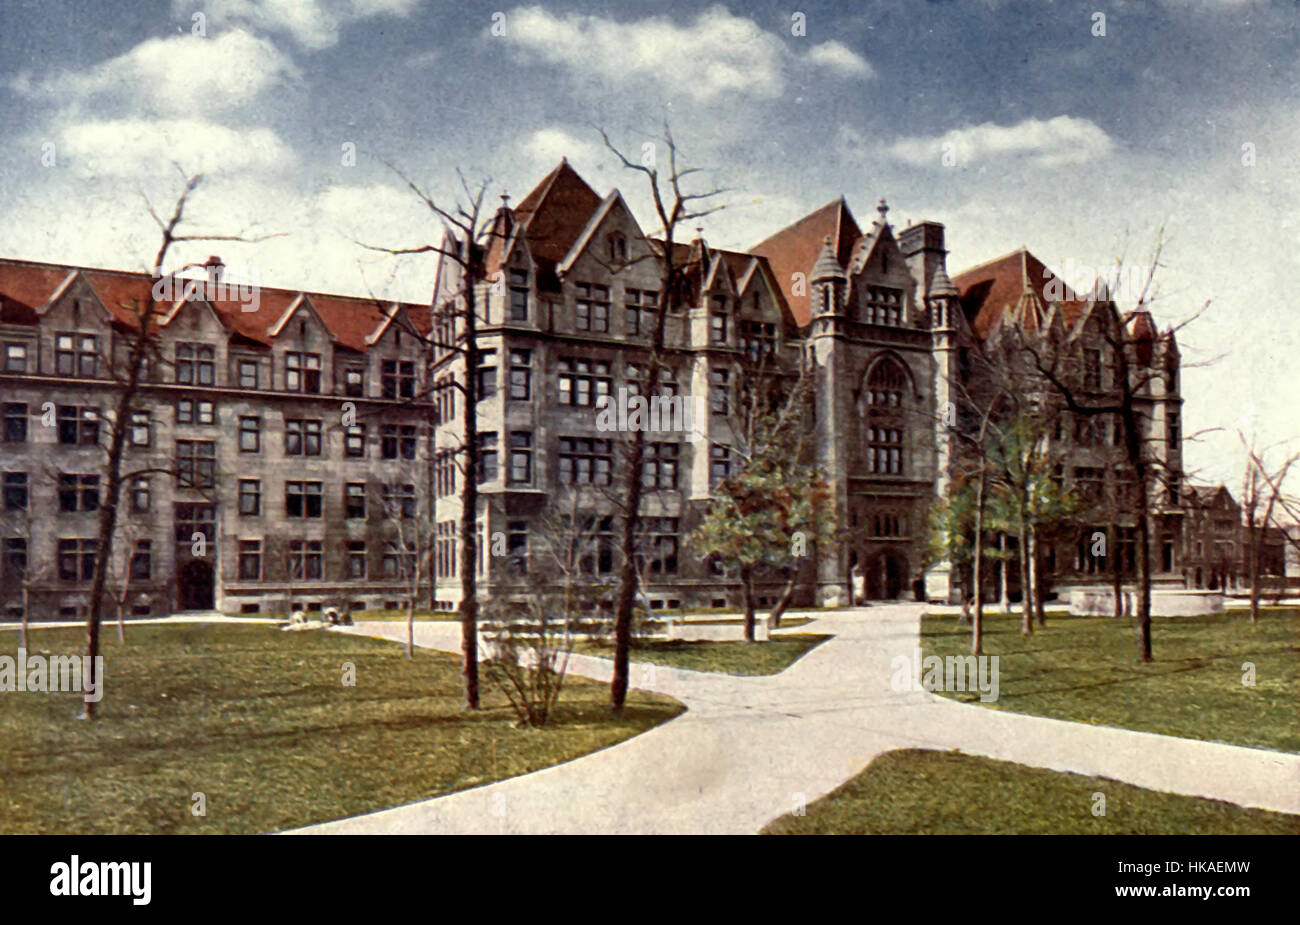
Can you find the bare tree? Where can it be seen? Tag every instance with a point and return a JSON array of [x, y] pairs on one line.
[[468, 226], [141, 349], [673, 206], [1261, 491]]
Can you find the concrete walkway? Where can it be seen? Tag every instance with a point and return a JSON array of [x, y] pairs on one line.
[[748, 749]]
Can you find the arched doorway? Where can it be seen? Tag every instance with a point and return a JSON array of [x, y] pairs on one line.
[[195, 586], [885, 576]]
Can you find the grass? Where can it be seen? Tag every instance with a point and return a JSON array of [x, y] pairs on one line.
[[358, 615], [922, 792], [737, 658], [1085, 669], [260, 722]]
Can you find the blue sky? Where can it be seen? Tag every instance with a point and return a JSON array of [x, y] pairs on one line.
[[1011, 122]]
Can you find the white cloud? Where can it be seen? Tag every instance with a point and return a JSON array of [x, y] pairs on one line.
[[313, 24], [716, 55], [143, 147], [547, 145], [172, 75], [840, 59], [1043, 143]]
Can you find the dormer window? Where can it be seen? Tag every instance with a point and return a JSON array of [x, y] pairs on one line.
[[617, 248], [518, 295], [718, 325]]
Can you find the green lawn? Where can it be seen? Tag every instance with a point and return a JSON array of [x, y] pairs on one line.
[[1085, 669], [259, 721], [738, 658], [359, 615], [921, 792]]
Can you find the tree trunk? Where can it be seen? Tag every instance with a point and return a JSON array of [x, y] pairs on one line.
[[1026, 607], [27, 609], [782, 602], [747, 586], [1143, 616], [1036, 578], [1117, 569], [1254, 537], [977, 569], [410, 626], [1004, 593], [627, 579], [469, 495]]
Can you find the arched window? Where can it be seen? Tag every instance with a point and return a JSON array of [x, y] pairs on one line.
[[885, 396]]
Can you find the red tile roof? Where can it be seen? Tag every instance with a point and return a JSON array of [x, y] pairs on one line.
[[26, 286], [553, 216], [794, 249], [990, 289]]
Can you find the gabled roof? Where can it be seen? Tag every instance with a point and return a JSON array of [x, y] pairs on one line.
[[794, 249], [554, 216], [1017, 283], [26, 286]]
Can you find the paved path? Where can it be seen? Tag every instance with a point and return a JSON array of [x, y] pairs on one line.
[[748, 748]]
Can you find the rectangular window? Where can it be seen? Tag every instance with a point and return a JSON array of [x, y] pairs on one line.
[[399, 501], [15, 487], [487, 456], [303, 499], [885, 450], [305, 560], [517, 547], [196, 464], [250, 497], [397, 379], [15, 358], [354, 500], [521, 375], [521, 457], [659, 470], [586, 461], [302, 373], [719, 465], [141, 428], [76, 355], [15, 564], [397, 441], [583, 381], [142, 561], [354, 382], [660, 546], [78, 492], [78, 425], [487, 374], [248, 375], [758, 339], [302, 438], [195, 520], [356, 559], [76, 559], [15, 422], [141, 495], [518, 295], [639, 309], [398, 562], [718, 328], [1092, 368], [250, 560], [445, 473], [189, 411], [250, 434], [591, 311], [354, 441], [195, 364], [720, 391]]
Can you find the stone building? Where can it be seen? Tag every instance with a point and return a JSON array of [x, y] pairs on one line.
[[288, 435], [274, 445]]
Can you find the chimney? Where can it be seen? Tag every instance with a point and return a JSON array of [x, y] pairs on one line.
[[215, 268]]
